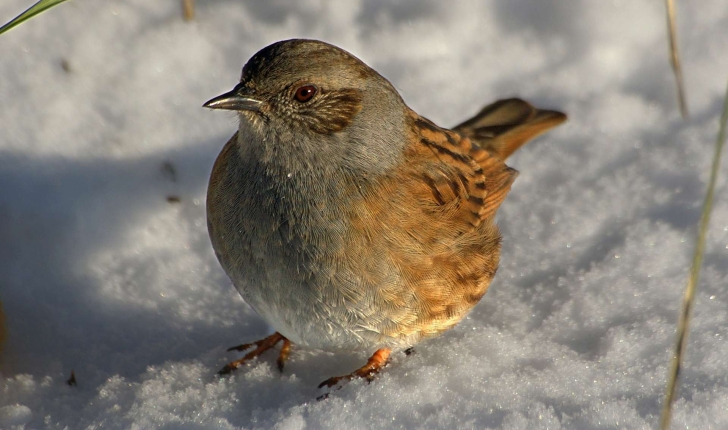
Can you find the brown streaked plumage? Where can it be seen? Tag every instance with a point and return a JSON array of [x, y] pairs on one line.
[[345, 219]]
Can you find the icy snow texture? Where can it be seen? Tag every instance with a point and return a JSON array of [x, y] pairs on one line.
[[100, 274]]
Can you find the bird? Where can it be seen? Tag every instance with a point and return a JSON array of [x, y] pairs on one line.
[[346, 220]]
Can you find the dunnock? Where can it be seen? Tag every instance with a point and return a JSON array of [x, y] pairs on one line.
[[345, 219]]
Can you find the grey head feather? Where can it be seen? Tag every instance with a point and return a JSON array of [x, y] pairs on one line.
[[355, 122]]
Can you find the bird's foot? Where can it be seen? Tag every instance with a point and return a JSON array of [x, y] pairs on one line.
[[261, 346], [374, 365]]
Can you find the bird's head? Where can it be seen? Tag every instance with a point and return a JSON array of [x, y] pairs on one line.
[[310, 97]]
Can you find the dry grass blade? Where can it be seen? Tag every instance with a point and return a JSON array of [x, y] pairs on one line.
[[675, 57], [689, 297], [188, 9]]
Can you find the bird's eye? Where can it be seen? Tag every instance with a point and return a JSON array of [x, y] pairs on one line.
[[305, 93]]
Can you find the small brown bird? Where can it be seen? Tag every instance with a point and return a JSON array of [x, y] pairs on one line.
[[347, 220]]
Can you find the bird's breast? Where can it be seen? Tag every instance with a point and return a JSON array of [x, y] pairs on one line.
[[282, 241]]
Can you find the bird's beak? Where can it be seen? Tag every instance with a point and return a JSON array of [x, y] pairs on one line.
[[240, 98]]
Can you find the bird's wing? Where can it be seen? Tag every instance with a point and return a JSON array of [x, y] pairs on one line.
[[422, 242], [467, 182], [430, 225]]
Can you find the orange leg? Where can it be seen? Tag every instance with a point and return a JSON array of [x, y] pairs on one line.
[[261, 346], [375, 363], [285, 352]]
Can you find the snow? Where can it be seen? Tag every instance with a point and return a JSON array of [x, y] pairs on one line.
[[102, 275]]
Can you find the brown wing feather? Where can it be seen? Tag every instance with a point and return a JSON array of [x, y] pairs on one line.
[[461, 172], [432, 224]]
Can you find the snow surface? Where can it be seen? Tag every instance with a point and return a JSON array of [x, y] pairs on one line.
[[100, 274]]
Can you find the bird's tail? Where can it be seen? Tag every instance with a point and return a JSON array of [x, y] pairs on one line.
[[504, 126]]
